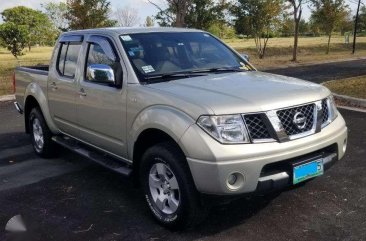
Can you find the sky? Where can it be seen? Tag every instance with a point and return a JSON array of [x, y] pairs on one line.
[[144, 8]]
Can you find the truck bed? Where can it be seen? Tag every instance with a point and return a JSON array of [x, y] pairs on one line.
[[30, 74]]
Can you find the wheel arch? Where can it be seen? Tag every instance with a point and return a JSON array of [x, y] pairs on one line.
[[35, 97]]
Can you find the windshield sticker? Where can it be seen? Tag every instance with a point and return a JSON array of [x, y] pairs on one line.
[[180, 44], [126, 38], [148, 69], [206, 35], [131, 53], [136, 49]]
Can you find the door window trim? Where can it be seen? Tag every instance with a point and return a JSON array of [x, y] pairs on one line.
[[109, 49]]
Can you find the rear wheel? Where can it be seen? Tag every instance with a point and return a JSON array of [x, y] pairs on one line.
[[168, 187], [41, 136]]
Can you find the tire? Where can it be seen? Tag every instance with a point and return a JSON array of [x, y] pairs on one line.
[[176, 204], [40, 134]]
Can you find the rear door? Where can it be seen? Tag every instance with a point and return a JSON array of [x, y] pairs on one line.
[[101, 107], [62, 84]]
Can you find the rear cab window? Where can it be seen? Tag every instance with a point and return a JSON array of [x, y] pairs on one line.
[[68, 57]]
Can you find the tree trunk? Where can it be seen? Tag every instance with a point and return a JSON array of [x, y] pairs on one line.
[[328, 48], [296, 40], [297, 18]]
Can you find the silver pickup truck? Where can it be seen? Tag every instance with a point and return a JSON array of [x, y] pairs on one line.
[[182, 113]]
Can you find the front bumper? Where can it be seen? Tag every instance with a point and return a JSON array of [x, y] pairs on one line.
[[211, 163]]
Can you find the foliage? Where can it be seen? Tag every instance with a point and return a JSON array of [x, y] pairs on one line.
[[329, 14], [14, 37], [222, 31], [56, 12], [362, 19], [261, 17], [84, 14], [127, 16], [41, 30], [202, 14], [174, 14]]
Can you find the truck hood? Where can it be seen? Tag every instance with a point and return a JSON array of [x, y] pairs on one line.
[[243, 92]]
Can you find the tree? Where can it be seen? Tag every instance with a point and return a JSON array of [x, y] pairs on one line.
[[14, 37], [362, 19], [203, 14], [127, 16], [56, 12], [297, 13], [287, 26], [39, 26], [262, 17], [149, 22], [84, 14], [304, 27], [175, 13], [329, 14]]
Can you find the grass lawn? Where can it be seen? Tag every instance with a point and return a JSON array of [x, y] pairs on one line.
[[38, 55], [279, 54], [355, 87]]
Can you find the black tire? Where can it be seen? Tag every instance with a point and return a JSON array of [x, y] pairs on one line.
[[190, 211], [46, 150]]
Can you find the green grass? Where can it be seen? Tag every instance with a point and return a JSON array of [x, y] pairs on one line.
[[279, 54], [355, 87]]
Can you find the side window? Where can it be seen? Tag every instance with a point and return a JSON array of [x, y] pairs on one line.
[[71, 60], [96, 55], [61, 58], [68, 58]]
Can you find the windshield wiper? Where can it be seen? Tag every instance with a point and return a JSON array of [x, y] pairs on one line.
[[169, 76], [217, 70]]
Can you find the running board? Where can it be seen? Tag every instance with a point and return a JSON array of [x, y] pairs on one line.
[[96, 156]]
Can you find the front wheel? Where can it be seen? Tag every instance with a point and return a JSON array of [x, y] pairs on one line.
[[168, 187], [40, 134]]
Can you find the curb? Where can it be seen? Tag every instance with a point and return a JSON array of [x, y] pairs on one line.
[[7, 98], [351, 101]]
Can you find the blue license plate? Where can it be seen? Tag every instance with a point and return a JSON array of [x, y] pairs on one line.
[[308, 170]]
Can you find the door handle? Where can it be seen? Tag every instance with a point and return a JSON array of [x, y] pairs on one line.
[[54, 86], [82, 92]]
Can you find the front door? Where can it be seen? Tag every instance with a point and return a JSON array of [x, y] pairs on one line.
[[101, 106], [62, 84]]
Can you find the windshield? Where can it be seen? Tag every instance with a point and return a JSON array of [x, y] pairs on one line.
[[161, 55]]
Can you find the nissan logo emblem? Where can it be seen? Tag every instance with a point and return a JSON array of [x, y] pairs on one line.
[[299, 120]]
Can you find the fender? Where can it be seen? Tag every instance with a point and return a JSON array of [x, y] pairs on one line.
[[165, 118], [33, 89]]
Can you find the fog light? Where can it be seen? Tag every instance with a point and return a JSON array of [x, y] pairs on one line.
[[235, 181], [232, 179]]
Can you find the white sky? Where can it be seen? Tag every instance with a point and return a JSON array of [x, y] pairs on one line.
[[144, 8]]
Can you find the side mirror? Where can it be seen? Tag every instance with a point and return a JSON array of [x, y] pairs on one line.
[[245, 56], [100, 73]]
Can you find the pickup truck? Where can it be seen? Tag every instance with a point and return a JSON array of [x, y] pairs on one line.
[[181, 113]]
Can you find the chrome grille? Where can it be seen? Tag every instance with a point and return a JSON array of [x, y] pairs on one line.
[[286, 117], [325, 111], [256, 127]]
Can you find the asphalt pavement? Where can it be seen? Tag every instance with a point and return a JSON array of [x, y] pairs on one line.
[[324, 72], [70, 198]]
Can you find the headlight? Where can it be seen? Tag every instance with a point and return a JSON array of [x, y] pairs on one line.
[[228, 129], [333, 112]]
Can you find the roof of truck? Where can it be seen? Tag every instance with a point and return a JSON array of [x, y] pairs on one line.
[[130, 30]]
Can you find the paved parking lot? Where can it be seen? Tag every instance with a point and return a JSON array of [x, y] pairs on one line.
[[69, 198]]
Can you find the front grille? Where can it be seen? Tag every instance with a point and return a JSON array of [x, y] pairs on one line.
[[325, 111], [286, 117], [257, 128]]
